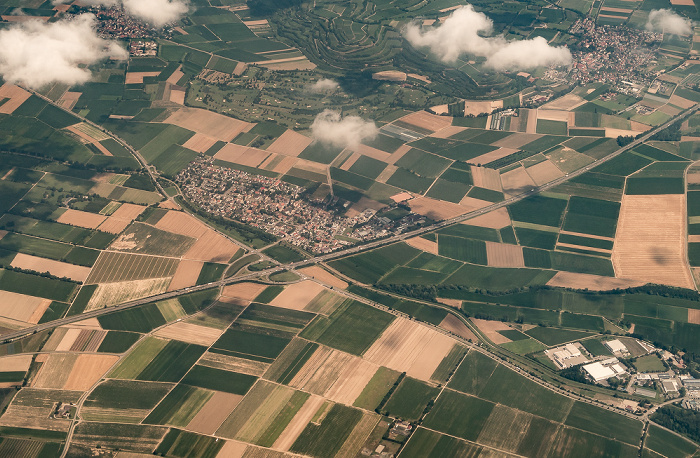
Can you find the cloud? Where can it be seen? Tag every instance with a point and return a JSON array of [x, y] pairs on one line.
[[324, 85], [331, 128], [156, 12], [467, 31], [669, 22], [36, 53]]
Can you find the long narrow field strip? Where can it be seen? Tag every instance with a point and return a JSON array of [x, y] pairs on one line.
[[592, 282], [190, 333], [650, 244], [112, 267], [233, 364], [57, 268], [407, 346], [298, 423]]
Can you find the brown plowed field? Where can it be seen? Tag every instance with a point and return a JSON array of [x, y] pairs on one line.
[[496, 219], [298, 295], [16, 363], [245, 291], [455, 326], [186, 274], [17, 97], [200, 143], [190, 333], [592, 282], [694, 316], [69, 338], [290, 143], [87, 370], [423, 244], [81, 219], [504, 255], [214, 412], [428, 121], [137, 77], [209, 123], [323, 275], [486, 178], [19, 306], [407, 346], [57, 268], [650, 243]]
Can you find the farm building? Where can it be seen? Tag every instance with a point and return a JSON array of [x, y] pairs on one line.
[[566, 356], [692, 384], [616, 347]]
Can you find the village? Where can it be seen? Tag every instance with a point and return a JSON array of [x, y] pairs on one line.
[[285, 210]]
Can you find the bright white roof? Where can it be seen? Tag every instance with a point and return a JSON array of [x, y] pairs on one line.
[[598, 371], [616, 346]]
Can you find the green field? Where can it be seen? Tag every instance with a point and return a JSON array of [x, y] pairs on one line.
[[605, 423], [459, 415], [326, 439], [410, 399], [353, 327], [179, 406], [554, 336], [219, 380], [376, 389]]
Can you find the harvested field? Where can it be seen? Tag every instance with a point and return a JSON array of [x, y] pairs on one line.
[[214, 412], [57, 268], [87, 370], [437, 210], [116, 267], [208, 123], [683, 2], [544, 172], [21, 307], [504, 255], [553, 115], [680, 101], [190, 333], [650, 243], [496, 219], [186, 274], [243, 155], [486, 178], [17, 97], [425, 120], [200, 143], [81, 219], [298, 423], [114, 225], [374, 153], [290, 143], [31, 409], [285, 164], [88, 340], [210, 246], [592, 282], [694, 316], [395, 156], [455, 326], [16, 363], [55, 371], [489, 329], [246, 291], [128, 211], [298, 295], [516, 181], [407, 346], [233, 364], [323, 275], [477, 107], [108, 294], [471, 204], [423, 244], [137, 77]]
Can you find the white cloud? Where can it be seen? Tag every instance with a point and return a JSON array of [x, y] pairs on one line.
[[331, 128], [467, 31], [156, 12], [36, 53], [668, 22], [324, 85]]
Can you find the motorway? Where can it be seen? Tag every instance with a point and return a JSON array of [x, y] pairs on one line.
[[341, 253]]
